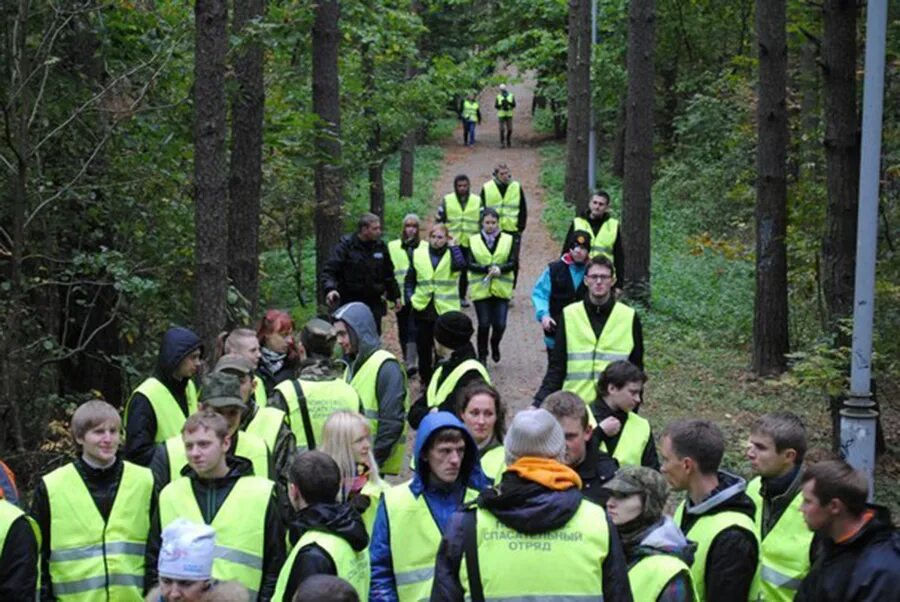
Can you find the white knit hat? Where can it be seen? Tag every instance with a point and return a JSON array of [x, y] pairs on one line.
[[534, 433], [187, 551]]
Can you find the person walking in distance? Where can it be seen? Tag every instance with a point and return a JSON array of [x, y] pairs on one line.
[[401, 251], [470, 114], [505, 104], [507, 197], [603, 229], [461, 211]]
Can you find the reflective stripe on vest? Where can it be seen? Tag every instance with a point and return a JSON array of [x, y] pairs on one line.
[[323, 397], [650, 575], [91, 559], [440, 283], [501, 113], [633, 441], [352, 566], [784, 551], [507, 205], [436, 395], [266, 424], [704, 530], [604, 241], [414, 538], [249, 446], [169, 417], [563, 564], [586, 356], [240, 525], [462, 223], [10, 513], [259, 392], [400, 260], [470, 110], [501, 286], [365, 382]]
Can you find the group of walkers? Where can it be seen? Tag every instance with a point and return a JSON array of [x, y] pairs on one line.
[[469, 112], [276, 478]]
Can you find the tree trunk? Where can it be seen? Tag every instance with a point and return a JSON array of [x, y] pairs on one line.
[[808, 84], [408, 165], [210, 170], [638, 180], [770, 320], [329, 180], [245, 183], [373, 143], [578, 95], [842, 147], [618, 158]]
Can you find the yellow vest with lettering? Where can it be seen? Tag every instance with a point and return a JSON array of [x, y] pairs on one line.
[[436, 395], [352, 566], [501, 286], [604, 241], [9, 513], [439, 283], [169, 417], [92, 560], [323, 397], [462, 223], [507, 205], [249, 446], [633, 440], [650, 575], [587, 356]]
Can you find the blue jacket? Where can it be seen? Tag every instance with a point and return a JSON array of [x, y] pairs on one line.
[[543, 292], [441, 502]]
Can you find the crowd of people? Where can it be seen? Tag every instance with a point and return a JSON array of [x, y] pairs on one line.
[[276, 475]]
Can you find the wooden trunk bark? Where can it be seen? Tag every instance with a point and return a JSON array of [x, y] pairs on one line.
[[210, 170], [245, 183], [770, 321], [408, 165], [578, 95], [638, 176]]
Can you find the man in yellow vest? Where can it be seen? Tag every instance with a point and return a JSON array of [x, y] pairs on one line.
[[470, 115], [604, 231], [535, 537], [159, 406], [94, 516], [621, 431], [505, 104], [717, 514], [412, 515], [244, 342], [507, 197], [775, 451], [332, 536], [461, 211], [378, 378], [221, 491], [401, 251], [590, 335]]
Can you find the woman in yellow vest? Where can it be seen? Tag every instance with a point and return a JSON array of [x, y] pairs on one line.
[[484, 415], [605, 231], [401, 252], [94, 516], [493, 258], [657, 552], [432, 287]]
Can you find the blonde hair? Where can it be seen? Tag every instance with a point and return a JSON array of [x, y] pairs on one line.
[[337, 441], [92, 414]]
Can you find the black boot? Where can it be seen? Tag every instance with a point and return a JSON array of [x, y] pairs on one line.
[[496, 336], [483, 332]]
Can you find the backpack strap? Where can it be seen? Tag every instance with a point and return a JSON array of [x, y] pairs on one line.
[[304, 414], [470, 549]]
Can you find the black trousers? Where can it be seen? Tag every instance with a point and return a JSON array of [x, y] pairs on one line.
[[425, 348]]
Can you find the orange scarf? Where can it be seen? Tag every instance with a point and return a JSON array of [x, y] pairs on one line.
[[546, 472]]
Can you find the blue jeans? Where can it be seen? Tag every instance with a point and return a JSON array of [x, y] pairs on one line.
[[468, 132], [491, 314]]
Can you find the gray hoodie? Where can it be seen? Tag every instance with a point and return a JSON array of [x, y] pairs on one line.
[[390, 390]]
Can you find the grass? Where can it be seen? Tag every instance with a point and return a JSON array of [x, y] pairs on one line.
[[697, 334]]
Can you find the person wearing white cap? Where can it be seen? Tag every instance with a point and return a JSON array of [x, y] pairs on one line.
[[185, 567], [535, 535]]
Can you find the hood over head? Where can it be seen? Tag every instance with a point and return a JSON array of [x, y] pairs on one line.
[[177, 343], [361, 324], [666, 538], [338, 519], [470, 472]]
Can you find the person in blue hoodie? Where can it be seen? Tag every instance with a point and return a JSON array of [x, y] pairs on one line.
[[560, 283], [413, 515], [160, 405]]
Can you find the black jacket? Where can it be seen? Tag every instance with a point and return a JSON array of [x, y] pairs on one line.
[[602, 411], [312, 559], [596, 469], [210, 496], [562, 290], [420, 408], [102, 484], [140, 430], [733, 554], [598, 314], [523, 205], [865, 568], [18, 563], [527, 507], [618, 251], [361, 271]]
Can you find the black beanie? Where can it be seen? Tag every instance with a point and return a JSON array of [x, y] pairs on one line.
[[453, 329], [579, 238]]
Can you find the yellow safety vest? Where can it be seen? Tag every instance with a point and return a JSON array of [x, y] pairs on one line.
[[604, 241], [414, 541], [323, 397], [240, 526], [259, 392], [9, 513], [704, 530], [501, 286], [400, 260], [470, 110], [352, 566], [365, 382], [440, 284], [502, 113], [564, 564], [586, 356], [266, 424], [249, 446], [650, 575], [462, 223], [784, 551], [374, 492], [169, 417], [435, 395], [92, 560], [493, 463], [507, 205], [633, 440]]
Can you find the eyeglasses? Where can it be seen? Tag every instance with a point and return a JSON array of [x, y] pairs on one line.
[[598, 277]]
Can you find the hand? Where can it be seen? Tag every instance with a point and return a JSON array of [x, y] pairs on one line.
[[611, 426], [398, 305], [451, 240], [494, 272], [548, 323], [333, 298]]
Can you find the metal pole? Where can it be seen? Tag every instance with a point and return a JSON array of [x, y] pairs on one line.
[[858, 416], [592, 135]]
